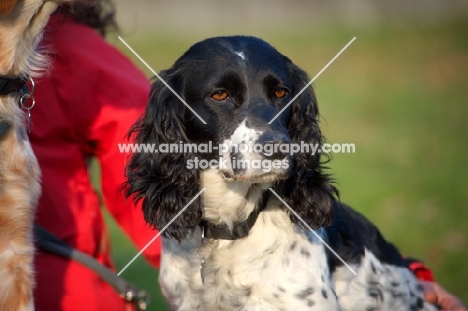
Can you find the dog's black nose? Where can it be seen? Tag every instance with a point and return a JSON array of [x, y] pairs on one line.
[[275, 146]]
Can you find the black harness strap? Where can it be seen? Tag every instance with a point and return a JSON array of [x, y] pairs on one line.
[[8, 85], [49, 242], [11, 84]]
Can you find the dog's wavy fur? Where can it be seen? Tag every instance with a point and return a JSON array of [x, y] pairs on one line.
[[21, 27], [280, 265]]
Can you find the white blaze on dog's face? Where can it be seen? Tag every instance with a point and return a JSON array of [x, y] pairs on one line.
[[235, 151], [246, 156], [240, 54]]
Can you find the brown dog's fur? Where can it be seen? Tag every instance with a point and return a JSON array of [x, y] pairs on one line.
[[21, 26], [7, 5]]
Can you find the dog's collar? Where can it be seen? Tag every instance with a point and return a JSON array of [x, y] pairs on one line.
[[8, 85], [240, 230], [11, 84]]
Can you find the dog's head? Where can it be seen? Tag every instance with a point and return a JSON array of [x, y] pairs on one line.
[[237, 86]]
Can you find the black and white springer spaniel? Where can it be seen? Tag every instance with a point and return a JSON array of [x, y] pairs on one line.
[[237, 246]]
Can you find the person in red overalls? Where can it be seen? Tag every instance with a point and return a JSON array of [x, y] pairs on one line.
[[84, 108]]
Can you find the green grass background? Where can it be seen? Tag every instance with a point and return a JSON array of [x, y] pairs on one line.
[[399, 93]]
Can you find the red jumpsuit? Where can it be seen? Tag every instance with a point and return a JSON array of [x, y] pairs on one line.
[[84, 107]]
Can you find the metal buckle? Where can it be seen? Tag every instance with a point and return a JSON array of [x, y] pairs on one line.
[[26, 93], [141, 300]]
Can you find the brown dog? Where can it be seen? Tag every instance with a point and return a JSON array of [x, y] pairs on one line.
[[21, 26]]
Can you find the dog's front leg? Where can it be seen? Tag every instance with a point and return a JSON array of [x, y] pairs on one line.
[[179, 276], [19, 192]]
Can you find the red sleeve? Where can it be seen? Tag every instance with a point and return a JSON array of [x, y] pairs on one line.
[[109, 130], [420, 270], [122, 94], [118, 94]]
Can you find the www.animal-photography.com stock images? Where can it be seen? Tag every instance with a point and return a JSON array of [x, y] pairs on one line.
[[233, 155]]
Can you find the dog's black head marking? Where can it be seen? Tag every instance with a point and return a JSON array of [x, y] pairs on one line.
[[237, 85]]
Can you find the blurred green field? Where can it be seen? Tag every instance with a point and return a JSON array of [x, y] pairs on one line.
[[399, 93]]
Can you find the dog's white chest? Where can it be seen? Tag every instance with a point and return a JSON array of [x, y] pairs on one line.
[[268, 270]]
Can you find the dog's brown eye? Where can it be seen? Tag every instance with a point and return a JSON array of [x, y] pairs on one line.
[[220, 95], [280, 93]]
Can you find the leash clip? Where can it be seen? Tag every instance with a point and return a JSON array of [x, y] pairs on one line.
[[139, 299], [27, 93]]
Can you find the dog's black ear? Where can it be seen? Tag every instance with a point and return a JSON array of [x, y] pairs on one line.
[[162, 180], [308, 190]]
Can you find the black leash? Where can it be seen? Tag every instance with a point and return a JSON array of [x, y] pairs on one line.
[[129, 292]]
